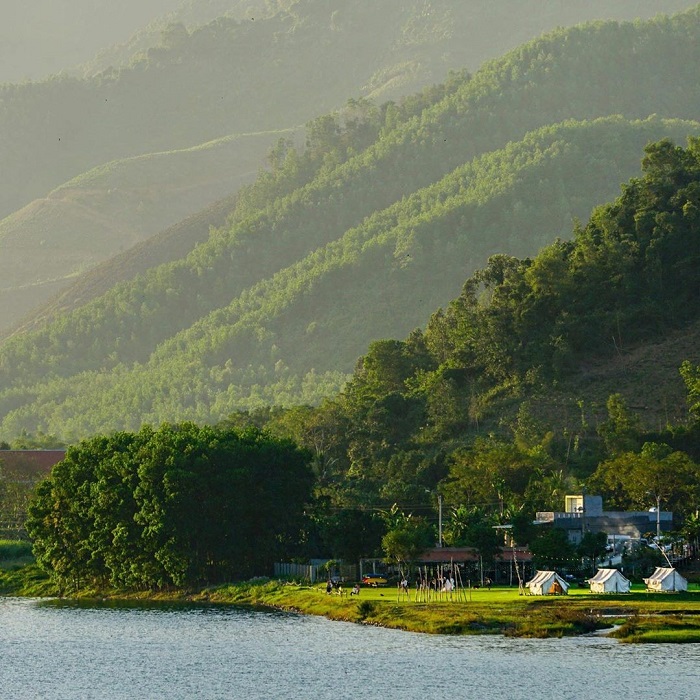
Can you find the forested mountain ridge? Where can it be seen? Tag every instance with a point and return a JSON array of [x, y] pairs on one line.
[[171, 244], [250, 71], [470, 116], [467, 34], [44, 37], [190, 14], [218, 80], [354, 252], [284, 340], [528, 331]]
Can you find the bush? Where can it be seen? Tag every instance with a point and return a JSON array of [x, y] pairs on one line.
[[14, 549], [365, 609]]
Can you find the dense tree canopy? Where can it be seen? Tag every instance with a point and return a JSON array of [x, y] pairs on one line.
[[450, 410], [453, 407], [180, 505]]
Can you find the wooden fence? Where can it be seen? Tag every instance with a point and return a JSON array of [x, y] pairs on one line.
[[306, 572], [315, 572]]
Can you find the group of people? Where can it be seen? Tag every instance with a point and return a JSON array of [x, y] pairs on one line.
[[337, 586], [445, 584], [442, 583]]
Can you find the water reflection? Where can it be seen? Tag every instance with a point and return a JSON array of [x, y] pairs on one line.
[[69, 650]]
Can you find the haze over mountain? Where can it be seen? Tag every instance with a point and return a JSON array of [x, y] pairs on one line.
[[42, 37], [197, 104], [361, 235]]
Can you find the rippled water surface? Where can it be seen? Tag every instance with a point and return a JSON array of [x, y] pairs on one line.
[[65, 651]]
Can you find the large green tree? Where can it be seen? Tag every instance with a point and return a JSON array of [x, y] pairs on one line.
[[181, 505], [654, 476], [407, 537]]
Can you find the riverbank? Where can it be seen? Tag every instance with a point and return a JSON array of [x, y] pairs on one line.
[[636, 617]]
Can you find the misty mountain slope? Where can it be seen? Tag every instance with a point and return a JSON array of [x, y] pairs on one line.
[[164, 247], [564, 75], [178, 97], [111, 208], [252, 70], [292, 337], [43, 37], [192, 14], [469, 32]]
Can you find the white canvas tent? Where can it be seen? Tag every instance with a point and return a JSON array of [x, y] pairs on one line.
[[666, 579], [609, 581], [547, 583]]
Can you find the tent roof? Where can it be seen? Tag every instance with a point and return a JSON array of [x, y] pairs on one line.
[[542, 577], [603, 575], [663, 572], [660, 574]]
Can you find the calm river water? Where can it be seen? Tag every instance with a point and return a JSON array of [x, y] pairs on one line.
[[58, 650]]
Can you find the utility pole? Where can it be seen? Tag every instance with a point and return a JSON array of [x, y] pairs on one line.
[[658, 514], [658, 519], [440, 520]]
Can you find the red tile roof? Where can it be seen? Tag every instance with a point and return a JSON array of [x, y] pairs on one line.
[[29, 464], [441, 555]]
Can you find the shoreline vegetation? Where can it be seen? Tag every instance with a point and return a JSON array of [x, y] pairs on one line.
[[639, 617]]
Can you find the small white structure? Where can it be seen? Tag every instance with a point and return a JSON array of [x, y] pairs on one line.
[[666, 579], [609, 581], [547, 583]]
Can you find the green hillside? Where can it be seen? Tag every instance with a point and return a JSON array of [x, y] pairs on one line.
[[469, 32], [289, 339], [171, 244], [394, 207], [504, 392], [191, 79], [467, 117], [232, 77], [192, 14]]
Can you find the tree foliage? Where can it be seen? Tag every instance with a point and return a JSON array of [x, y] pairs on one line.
[[352, 242], [407, 537], [177, 506], [654, 476], [552, 549]]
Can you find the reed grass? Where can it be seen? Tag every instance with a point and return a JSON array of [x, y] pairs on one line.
[[658, 628], [15, 553], [14, 549], [28, 580]]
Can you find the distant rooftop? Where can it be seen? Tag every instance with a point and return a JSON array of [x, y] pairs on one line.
[[29, 464], [586, 512], [441, 555]]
